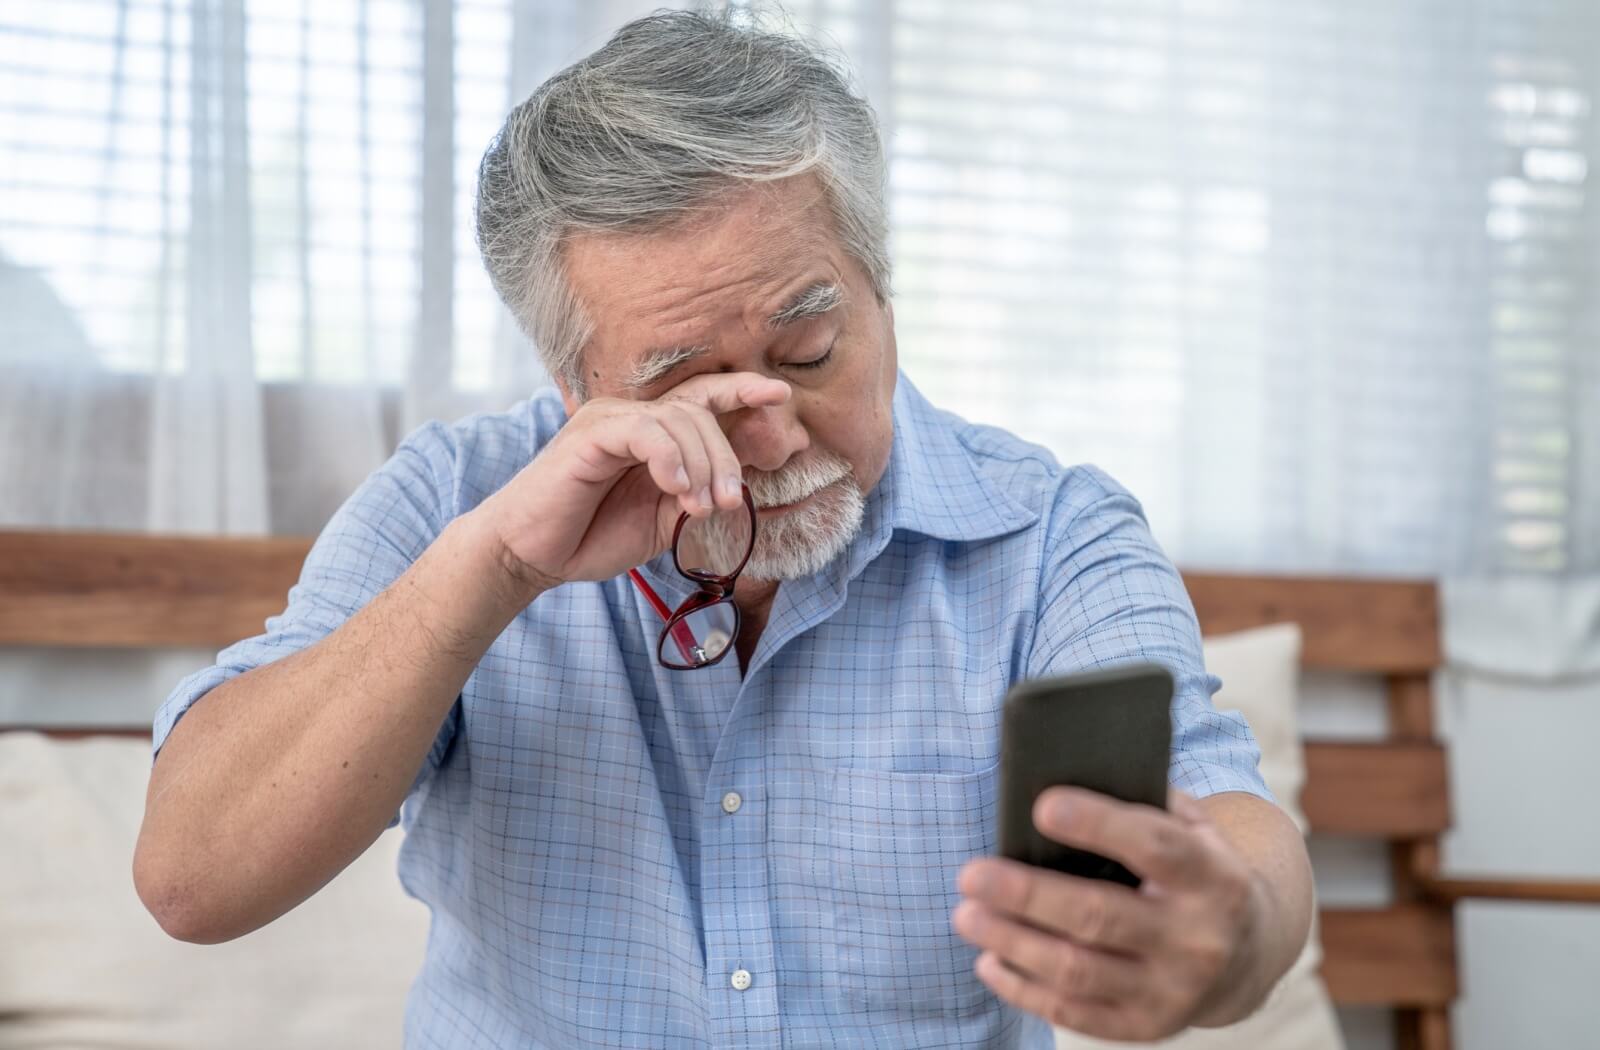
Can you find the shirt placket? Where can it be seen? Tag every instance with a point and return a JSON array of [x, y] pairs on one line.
[[741, 964]]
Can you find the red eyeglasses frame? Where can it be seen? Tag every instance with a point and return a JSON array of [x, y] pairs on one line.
[[710, 589]]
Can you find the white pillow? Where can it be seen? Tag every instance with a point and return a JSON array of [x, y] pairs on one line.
[[83, 964], [1260, 672]]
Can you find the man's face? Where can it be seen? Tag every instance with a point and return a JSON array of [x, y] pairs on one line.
[[761, 284]]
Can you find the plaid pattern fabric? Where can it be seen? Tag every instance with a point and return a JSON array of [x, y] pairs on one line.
[[570, 829]]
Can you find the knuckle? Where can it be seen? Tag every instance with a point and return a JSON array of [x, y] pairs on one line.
[[1167, 847], [1094, 921], [1070, 973], [1158, 1012], [717, 446], [689, 440], [1092, 823], [1208, 954], [1028, 901], [676, 415], [663, 442], [658, 432], [697, 411]]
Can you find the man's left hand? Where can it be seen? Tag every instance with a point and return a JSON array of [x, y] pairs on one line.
[[1103, 959]]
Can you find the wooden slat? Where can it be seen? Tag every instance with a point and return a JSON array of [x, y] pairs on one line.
[[1425, 1029], [80, 732], [121, 590], [106, 589], [1383, 789], [1399, 956], [1410, 860], [1410, 706], [1383, 626], [1546, 891]]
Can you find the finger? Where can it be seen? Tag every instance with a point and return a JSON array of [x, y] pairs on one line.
[[636, 439], [726, 473], [685, 431], [1087, 1016], [1149, 841], [1073, 970], [730, 391], [1094, 912]]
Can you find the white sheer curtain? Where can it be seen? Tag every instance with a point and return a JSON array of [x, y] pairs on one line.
[[236, 247], [1316, 280]]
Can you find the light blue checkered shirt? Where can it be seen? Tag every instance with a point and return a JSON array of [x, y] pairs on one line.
[[592, 880]]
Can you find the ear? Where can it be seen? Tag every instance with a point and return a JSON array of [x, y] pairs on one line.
[[570, 403], [891, 346]]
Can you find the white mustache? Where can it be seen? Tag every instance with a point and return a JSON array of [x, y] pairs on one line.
[[793, 483]]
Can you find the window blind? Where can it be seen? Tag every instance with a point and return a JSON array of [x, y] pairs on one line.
[[1314, 279]]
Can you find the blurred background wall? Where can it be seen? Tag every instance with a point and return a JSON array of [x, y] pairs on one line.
[[1319, 281]]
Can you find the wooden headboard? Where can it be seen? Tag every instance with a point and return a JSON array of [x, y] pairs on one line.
[[89, 589]]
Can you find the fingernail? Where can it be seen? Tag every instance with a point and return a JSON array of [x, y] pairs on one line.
[[729, 487], [705, 497], [681, 478]]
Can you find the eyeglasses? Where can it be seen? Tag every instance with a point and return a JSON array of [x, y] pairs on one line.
[[710, 552]]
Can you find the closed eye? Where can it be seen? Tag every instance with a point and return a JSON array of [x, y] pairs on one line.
[[816, 362]]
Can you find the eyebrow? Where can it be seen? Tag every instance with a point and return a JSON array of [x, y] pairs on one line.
[[658, 363], [813, 301]]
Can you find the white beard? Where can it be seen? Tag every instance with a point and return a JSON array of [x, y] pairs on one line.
[[804, 540]]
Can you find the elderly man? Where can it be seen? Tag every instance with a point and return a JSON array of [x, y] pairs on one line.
[[625, 839]]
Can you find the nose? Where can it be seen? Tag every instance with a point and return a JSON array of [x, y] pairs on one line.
[[766, 438]]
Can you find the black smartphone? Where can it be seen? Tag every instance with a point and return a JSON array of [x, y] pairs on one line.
[[1109, 731]]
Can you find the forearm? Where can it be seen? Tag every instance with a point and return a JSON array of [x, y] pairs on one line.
[[273, 782], [1281, 902]]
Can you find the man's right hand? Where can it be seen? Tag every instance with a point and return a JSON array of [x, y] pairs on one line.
[[606, 492]]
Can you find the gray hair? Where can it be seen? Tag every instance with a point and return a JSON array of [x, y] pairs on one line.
[[672, 111]]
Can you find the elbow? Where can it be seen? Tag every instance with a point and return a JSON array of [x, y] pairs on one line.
[[174, 901]]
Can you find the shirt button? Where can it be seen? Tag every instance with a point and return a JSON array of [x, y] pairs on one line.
[[730, 804], [741, 980]]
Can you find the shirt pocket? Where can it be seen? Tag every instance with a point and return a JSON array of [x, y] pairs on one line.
[[900, 840]]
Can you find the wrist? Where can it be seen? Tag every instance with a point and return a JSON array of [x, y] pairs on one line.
[[513, 583], [1250, 974]]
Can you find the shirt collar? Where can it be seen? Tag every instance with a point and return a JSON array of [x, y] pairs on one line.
[[933, 486]]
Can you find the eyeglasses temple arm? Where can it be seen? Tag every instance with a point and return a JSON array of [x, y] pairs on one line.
[[650, 595], [682, 636]]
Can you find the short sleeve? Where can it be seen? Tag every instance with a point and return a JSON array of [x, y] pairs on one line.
[[370, 541], [1108, 596]]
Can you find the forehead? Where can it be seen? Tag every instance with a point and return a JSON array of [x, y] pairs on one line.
[[734, 259]]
